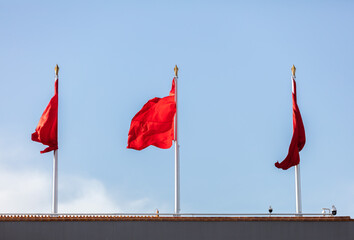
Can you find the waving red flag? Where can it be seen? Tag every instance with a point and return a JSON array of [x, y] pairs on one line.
[[298, 140], [47, 128], [153, 124]]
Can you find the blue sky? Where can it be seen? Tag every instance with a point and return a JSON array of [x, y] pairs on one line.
[[235, 110]]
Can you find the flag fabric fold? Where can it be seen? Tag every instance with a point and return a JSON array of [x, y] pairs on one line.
[[298, 140], [47, 128], [153, 124]]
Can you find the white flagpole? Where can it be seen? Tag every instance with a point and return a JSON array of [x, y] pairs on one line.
[[298, 189], [55, 167], [177, 190], [55, 183], [297, 167]]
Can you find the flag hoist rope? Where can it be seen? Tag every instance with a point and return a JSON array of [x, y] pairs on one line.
[[55, 164], [297, 167], [177, 190]]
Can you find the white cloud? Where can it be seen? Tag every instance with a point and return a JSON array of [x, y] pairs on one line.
[[24, 191], [28, 191], [25, 187], [86, 196]]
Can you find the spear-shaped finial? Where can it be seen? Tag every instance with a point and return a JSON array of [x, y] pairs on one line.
[[293, 70], [176, 71], [56, 69]]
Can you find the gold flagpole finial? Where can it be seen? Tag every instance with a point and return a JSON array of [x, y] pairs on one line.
[[293, 70], [56, 69], [176, 71]]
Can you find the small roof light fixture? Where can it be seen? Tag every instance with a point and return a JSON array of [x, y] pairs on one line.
[[334, 210], [270, 209]]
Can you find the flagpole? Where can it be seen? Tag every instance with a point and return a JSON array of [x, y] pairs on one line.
[[55, 166], [298, 189], [297, 167], [55, 183], [177, 189]]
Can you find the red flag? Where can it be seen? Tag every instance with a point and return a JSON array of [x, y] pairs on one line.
[[153, 124], [47, 128], [298, 140]]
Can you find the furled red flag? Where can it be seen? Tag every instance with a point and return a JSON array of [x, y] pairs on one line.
[[47, 128], [153, 124], [298, 140]]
